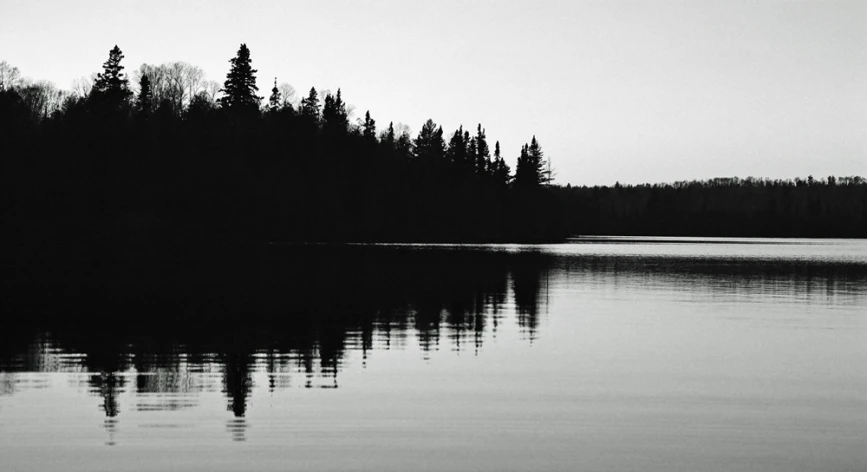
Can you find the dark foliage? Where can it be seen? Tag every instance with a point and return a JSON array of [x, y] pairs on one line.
[[112, 176], [833, 207]]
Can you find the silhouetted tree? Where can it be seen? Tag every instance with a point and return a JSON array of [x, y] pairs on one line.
[[501, 171], [144, 102], [111, 87], [483, 153], [334, 116], [429, 145], [239, 89], [531, 166], [457, 150], [369, 128], [310, 106], [275, 101], [388, 138]]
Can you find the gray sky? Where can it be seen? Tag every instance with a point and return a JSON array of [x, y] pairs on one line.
[[615, 91]]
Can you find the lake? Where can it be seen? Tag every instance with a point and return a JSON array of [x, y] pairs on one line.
[[620, 354]]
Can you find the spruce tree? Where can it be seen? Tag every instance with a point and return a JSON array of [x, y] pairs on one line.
[[483, 154], [457, 150], [335, 120], [389, 138], [429, 145], [369, 127], [537, 162], [310, 106], [239, 89], [500, 168], [341, 116], [523, 169], [275, 100], [144, 102]]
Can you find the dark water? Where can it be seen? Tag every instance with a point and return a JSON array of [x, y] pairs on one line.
[[603, 354]]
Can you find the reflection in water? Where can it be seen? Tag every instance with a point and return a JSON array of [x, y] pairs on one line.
[[237, 427], [294, 314]]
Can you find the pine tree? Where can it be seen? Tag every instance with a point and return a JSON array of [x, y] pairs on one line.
[[530, 171], [111, 87], [483, 153], [341, 116], [239, 89], [429, 145], [310, 106], [144, 102], [275, 101], [500, 168], [537, 161], [388, 137], [457, 150], [523, 171], [369, 127]]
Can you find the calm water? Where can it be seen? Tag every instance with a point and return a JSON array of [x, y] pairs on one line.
[[603, 354]]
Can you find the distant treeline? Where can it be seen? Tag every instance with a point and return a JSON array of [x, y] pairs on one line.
[[175, 159], [832, 207]]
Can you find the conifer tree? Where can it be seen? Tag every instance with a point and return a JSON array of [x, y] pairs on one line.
[[537, 161], [429, 145], [276, 99], [341, 116], [369, 127], [310, 106], [483, 154], [530, 171], [111, 87], [239, 89], [457, 150], [335, 120], [144, 102], [500, 168], [523, 171], [388, 137], [472, 151]]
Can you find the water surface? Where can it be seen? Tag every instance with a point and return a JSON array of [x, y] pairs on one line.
[[601, 354]]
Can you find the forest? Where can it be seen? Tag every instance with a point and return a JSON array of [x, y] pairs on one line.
[[165, 158]]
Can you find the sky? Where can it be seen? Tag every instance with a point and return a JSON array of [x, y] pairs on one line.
[[628, 92]]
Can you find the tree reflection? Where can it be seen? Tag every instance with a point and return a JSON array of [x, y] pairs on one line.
[[293, 315]]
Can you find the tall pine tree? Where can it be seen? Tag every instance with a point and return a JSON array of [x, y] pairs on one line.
[[111, 87], [310, 106], [144, 101], [483, 154], [429, 145], [239, 89], [275, 101], [369, 128]]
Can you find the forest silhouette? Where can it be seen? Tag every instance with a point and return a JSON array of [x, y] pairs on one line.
[[131, 168]]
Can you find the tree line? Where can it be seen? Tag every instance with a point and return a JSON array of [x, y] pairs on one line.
[[172, 160], [171, 157]]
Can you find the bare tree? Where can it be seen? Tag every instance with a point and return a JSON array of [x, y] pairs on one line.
[[211, 90], [549, 173], [288, 94], [401, 129], [177, 82], [194, 80], [83, 85], [42, 98], [10, 76]]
